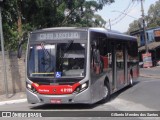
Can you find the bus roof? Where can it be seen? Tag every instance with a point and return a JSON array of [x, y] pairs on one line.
[[109, 33], [114, 34], [59, 28]]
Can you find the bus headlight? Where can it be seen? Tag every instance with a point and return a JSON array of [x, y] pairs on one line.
[[29, 86], [82, 87]]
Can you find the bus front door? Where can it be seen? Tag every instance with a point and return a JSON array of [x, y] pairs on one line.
[[120, 66]]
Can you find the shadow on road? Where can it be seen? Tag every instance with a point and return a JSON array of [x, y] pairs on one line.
[[63, 107], [77, 106], [116, 94]]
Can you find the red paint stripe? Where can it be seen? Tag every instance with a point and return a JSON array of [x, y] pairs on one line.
[[55, 89]]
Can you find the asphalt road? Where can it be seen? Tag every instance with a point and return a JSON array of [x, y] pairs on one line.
[[143, 96]]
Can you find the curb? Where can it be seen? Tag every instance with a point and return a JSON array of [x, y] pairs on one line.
[[149, 76], [13, 101]]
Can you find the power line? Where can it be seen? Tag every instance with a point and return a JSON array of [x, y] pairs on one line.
[[130, 3], [124, 13], [119, 19]]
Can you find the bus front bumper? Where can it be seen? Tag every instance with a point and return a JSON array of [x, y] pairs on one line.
[[83, 97]]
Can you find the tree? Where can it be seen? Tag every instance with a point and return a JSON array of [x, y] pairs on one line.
[[20, 16], [153, 17], [9, 17], [82, 15], [135, 25]]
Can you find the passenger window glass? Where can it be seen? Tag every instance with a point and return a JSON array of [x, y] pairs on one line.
[[101, 53], [120, 55], [96, 60]]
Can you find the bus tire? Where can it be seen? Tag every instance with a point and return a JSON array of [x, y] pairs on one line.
[[107, 92]]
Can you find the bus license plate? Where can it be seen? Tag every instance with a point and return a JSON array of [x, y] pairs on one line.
[[56, 101]]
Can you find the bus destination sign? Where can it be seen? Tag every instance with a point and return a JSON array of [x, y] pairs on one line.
[[59, 35]]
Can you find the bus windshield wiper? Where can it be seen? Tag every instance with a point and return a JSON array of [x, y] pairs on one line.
[[48, 56]]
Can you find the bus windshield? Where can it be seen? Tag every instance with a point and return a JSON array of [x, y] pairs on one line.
[[57, 60]]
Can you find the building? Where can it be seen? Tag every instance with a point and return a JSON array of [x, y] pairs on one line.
[[153, 41]]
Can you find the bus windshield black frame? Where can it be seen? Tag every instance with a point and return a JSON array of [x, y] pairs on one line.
[[57, 58]]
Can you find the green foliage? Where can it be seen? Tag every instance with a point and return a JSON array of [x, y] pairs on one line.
[[9, 16], [37, 14], [135, 25], [153, 17]]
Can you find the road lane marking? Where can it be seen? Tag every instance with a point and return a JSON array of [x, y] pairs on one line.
[[13, 101]]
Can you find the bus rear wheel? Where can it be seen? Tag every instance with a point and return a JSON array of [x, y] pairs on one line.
[[130, 80], [106, 92]]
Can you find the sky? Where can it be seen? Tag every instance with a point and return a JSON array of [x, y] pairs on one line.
[[116, 13]]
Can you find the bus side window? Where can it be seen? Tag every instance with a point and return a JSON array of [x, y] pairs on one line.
[[107, 57], [97, 64], [132, 53]]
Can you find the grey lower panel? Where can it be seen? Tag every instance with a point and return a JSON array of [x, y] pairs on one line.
[[83, 97]]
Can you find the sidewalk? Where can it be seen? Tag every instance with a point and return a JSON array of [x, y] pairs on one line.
[[13, 98], [153, 72]]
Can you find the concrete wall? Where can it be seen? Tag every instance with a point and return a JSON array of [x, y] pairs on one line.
[[15, 69]]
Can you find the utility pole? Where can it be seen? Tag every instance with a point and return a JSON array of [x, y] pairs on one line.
[[147, 57], [144, 26], [3, 55]]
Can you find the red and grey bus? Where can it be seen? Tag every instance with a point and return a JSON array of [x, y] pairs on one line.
[[79, 65]]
